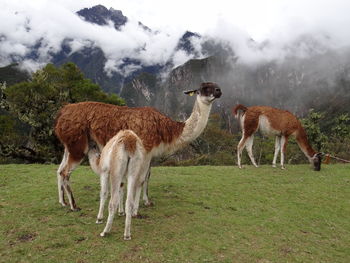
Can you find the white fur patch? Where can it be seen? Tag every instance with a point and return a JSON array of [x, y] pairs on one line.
[[242, 121], [265, 127]]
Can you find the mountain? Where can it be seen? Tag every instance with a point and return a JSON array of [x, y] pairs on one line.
[[321, 82], [186, 44], [100, 15], [92, 60], [310, 74]]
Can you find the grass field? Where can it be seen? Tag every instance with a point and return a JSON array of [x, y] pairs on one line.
[[201, 214]]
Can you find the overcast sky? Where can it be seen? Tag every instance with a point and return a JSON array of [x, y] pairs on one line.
[[280, 21], [260, 19]]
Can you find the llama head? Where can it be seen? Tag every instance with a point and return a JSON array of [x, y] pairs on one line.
[[207, 92], [316, 161]]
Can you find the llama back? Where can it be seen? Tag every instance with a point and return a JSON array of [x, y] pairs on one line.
[[123, 146], [280, 121]]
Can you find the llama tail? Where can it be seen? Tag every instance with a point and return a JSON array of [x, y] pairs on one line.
[[236, 111]]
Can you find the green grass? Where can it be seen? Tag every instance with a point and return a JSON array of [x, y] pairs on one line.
[[201, 214]]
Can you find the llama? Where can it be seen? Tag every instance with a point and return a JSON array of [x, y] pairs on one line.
[[126, 154], [272, 122], [123, 157], [80, 123]]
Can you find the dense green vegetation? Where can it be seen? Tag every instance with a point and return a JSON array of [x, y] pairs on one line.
[[29, 109], [201, 214]]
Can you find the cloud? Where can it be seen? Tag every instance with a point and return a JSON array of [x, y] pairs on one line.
[[255, 30], [47, 25]]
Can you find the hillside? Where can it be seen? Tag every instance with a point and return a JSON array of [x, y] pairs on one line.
[[12, 74]]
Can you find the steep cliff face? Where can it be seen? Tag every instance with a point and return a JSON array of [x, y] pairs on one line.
[[296, 84], [167, 94], [141, 91]]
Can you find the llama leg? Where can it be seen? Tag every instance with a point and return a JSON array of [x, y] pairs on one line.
[[113, 203], [116, 176], [121, 200], [277, 149], [137, 170], [60, 179], [136, 201], [284, 141], [145, 198], [103, 195], [144, 175], [249, 147], [65, 175], [240, 147], [129, 206]]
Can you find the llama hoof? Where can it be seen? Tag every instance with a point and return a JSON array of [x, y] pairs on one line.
[[283, 168], [76, 209], [99, 221], [121, 213], [103, 234], [149, 204], [127, 237], [138, 216], [274, 166], [63, 203]]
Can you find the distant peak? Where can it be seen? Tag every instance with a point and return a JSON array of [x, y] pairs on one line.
[[100, 15], [185, 42]]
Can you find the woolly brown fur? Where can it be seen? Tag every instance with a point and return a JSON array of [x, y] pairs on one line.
[[77, 123]]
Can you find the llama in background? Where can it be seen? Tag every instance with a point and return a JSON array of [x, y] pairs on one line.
[[272, 122]]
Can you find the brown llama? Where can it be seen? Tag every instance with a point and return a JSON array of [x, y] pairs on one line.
[[79, 124], [272, 122]]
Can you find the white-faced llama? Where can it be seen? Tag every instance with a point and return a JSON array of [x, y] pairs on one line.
[[79, 124], [272, 122]]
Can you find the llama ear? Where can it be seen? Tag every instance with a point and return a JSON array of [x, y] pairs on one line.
[[190, 92]]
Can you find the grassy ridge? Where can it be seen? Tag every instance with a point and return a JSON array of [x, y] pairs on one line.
[[201, 214]]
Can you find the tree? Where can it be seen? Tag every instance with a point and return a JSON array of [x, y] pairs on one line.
[[36, 102], [341, 128], [313, 130]]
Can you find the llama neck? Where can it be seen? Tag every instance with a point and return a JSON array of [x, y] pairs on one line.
[[196, 123], [192, 128], [303, 143]]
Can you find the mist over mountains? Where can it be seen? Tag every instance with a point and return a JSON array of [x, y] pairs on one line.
[[149, 67]]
